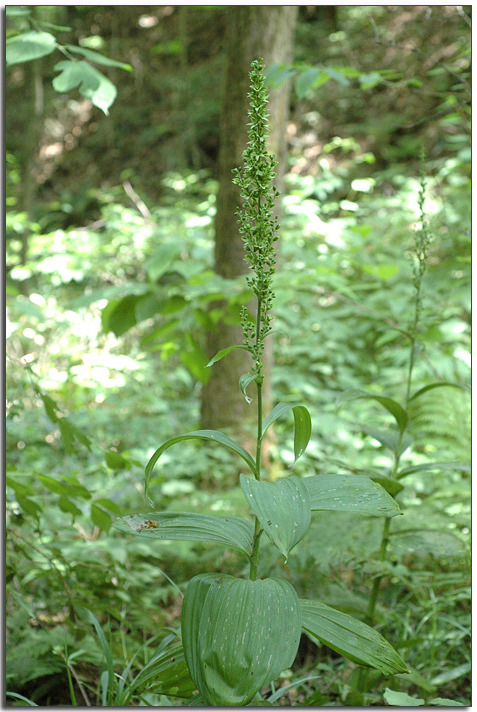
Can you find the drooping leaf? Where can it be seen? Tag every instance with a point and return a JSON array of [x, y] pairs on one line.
[[396, 410], [238, 635], [233, 532], [350, 493], [29, 46], [98, 58], [245, 381], [350, 637], [282, 507], [302, 424], [225, 352], [214, 435], [431, 386], [92, 84], [392, 486]]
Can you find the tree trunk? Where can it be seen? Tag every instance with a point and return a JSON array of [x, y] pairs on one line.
[[252, 32]]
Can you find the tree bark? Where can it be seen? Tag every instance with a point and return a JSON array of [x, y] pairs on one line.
[[252, 32]]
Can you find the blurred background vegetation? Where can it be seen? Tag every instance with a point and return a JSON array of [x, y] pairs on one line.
[[110, 293]]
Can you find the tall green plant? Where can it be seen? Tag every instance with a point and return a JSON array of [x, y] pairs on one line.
[[239, 634]]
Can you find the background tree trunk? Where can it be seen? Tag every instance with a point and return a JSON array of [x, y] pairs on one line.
[[252, 31]]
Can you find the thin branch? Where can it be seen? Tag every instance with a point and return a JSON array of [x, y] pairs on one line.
[[138, 202]]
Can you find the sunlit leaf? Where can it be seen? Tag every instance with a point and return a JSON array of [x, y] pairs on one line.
[[233, 532], [92, 84], [29, 46], [350, 637], [350, 493], [214, 435], [238, 635], [401, 699], [282, 507]]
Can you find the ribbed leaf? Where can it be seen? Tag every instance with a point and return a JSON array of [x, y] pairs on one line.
[[214, 435], [302, 424], [456, 466], [231, 532], [238, 635], [282, 507], [393, 439], [437, 384], [396, 410], [350, 493], [350, 637]]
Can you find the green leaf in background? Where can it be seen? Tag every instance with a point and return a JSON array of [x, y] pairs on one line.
[[350, 637], [100, 517], [396, 410], [311, 78], [245, 381], [368, 81], [225, 352], [431, 386], [92, 84], [431, 466], [401, 699], [392, 486], [165, 673], [350, 493], [29, 46], [396, 441], [161, 260], [214, 435], [98, 58], [230, 628], [282, 507], [302, 424], [233, 532]]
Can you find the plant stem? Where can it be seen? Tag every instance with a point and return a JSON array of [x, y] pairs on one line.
[[377, 581], [258, 452]]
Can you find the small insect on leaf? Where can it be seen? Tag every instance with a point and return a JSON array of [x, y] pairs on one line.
[[218, 579], [151, 524]]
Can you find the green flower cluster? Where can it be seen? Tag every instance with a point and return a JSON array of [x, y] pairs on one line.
[[257, 224]]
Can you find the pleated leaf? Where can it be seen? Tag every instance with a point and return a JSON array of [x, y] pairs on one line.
[[238, 635], [166, 673], [350, 493], [282, 507], [302, 424], [350, 637], [231, 532], [214, 435]]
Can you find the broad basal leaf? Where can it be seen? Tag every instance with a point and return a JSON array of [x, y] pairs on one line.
[[231, 532], [282, 507], [214, 435], [302, 424], [350, 493], [349, 637], [238, 635]]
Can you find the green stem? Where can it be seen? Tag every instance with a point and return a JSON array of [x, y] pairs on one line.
[[377, 581], [258, 453]]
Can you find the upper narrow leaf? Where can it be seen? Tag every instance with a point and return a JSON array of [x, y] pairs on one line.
[[350, 637], [190, 526], [98, 58], [302, 424], [224, 352], [350, 493], [214, 435], [282, 507]]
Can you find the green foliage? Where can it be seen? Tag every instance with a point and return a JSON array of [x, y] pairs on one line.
[[343, 303]]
